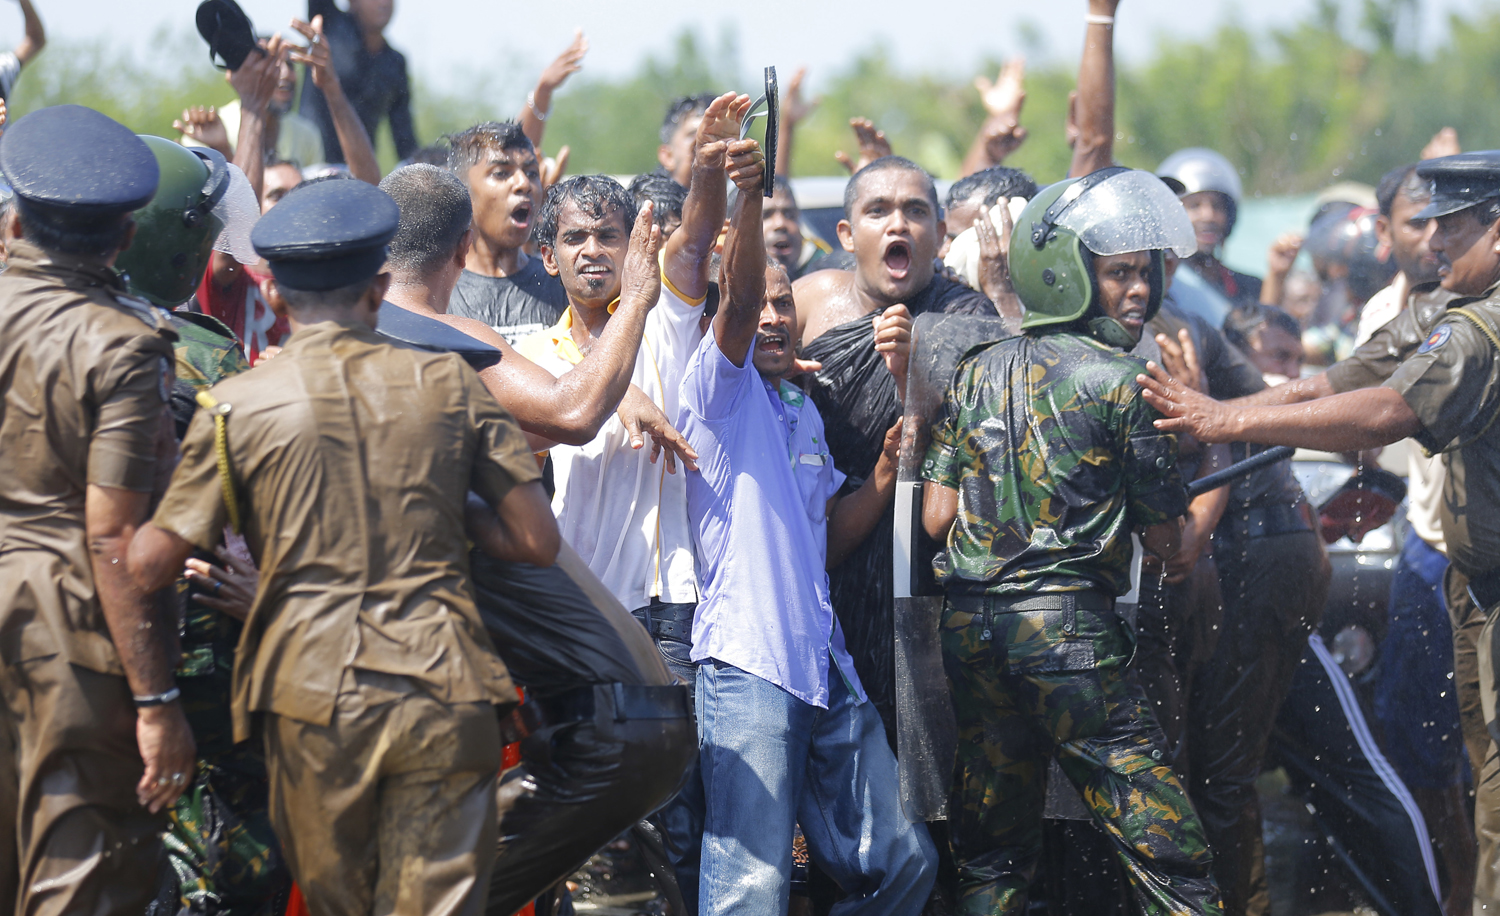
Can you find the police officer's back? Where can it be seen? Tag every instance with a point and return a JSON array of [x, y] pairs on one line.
[[85, 372]]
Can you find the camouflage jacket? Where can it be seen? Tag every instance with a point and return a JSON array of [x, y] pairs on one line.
[[1052, 451]]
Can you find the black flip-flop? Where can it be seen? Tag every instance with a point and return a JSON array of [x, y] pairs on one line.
[[228, 32]]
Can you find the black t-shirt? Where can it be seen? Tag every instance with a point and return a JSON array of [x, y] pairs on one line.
[[529, 301]]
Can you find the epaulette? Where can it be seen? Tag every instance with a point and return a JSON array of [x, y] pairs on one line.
[[156, 318]]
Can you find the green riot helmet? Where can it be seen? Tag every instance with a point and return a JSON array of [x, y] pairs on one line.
[[1056, 238], [188, 218]]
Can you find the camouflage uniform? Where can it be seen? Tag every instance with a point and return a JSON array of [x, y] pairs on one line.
[[1052, 451], [222, 850]]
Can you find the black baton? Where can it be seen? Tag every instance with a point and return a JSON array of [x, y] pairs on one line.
[[1239, 469]]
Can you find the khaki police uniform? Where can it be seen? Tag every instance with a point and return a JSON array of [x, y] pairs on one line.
[[363, 659], [86, 375]]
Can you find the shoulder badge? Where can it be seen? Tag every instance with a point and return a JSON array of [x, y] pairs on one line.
[[1437, 338]]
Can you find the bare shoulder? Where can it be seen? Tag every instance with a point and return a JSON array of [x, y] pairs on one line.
[[825, 298]]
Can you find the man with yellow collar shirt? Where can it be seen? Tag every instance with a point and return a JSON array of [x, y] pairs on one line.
[[621, 508], [1043, 463]]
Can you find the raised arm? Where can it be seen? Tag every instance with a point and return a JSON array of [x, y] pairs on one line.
[[1001, 133], [255, 83], [691, 246], [794, 110], [36, 36], [1095, 147], [354, 140], [744, 256], [538, 107]]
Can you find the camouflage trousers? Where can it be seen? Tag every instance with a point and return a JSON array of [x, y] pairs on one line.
[[1032, 683]]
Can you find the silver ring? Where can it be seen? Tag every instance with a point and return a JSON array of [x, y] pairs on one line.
[[217, 585], [162, 780], [179, 778]]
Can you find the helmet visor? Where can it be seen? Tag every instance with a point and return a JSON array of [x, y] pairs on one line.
[[237, 211], [1130, 211]]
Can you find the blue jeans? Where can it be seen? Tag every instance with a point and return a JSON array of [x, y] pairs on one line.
[[770, 761]]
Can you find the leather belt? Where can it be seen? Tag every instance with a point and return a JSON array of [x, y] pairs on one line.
[[1267, 521], [666, 626]]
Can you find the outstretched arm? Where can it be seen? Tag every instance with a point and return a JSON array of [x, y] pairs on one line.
[[688, 251], [255, 83], [1095, 147], [1347, 422], [851, 518]]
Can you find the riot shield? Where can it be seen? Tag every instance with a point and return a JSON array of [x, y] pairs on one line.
[[926, 735]]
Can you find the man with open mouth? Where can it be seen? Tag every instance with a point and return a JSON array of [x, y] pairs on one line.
[[894, 227], [501, 285]]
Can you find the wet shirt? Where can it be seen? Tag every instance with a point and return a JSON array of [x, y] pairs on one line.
[[759, 504], [352, 456], [1377, 359], [1242, 290], [528, 302], [85, 373], [1055, 459], [625, 515], [375, 84], [1452, 384]]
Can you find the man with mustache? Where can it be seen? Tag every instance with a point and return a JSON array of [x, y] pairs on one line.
[[1445, 395]]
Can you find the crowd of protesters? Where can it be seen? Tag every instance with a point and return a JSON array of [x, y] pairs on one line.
[[390, 543]]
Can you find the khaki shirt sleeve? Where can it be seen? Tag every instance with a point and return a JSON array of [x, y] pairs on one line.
[[1377, 359], [503, 458], [193, 508], [1450, 386], [132, 398]]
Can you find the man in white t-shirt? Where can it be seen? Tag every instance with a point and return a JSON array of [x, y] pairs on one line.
[[624, 511]]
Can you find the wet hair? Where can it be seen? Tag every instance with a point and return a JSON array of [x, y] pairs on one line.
[[663, 191], [341, 297], [467, 148], [886, 163], [596, 195], [1241, 323], [95, 238], [1402, 180], [276, 162], [435, 214], [994, 183], [681, 109], [436, 154]]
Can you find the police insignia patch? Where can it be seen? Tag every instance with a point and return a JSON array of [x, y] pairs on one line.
[[1437, 338]]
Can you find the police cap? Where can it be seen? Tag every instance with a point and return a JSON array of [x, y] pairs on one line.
[[1459, 182], [74, 164], [327, 234]]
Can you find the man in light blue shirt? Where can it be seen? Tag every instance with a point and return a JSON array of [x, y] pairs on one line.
[[786, 734]]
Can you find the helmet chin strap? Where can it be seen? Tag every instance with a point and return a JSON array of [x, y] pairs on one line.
[[1110, 332]]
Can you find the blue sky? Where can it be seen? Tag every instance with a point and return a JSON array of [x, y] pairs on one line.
[[443, 38]]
